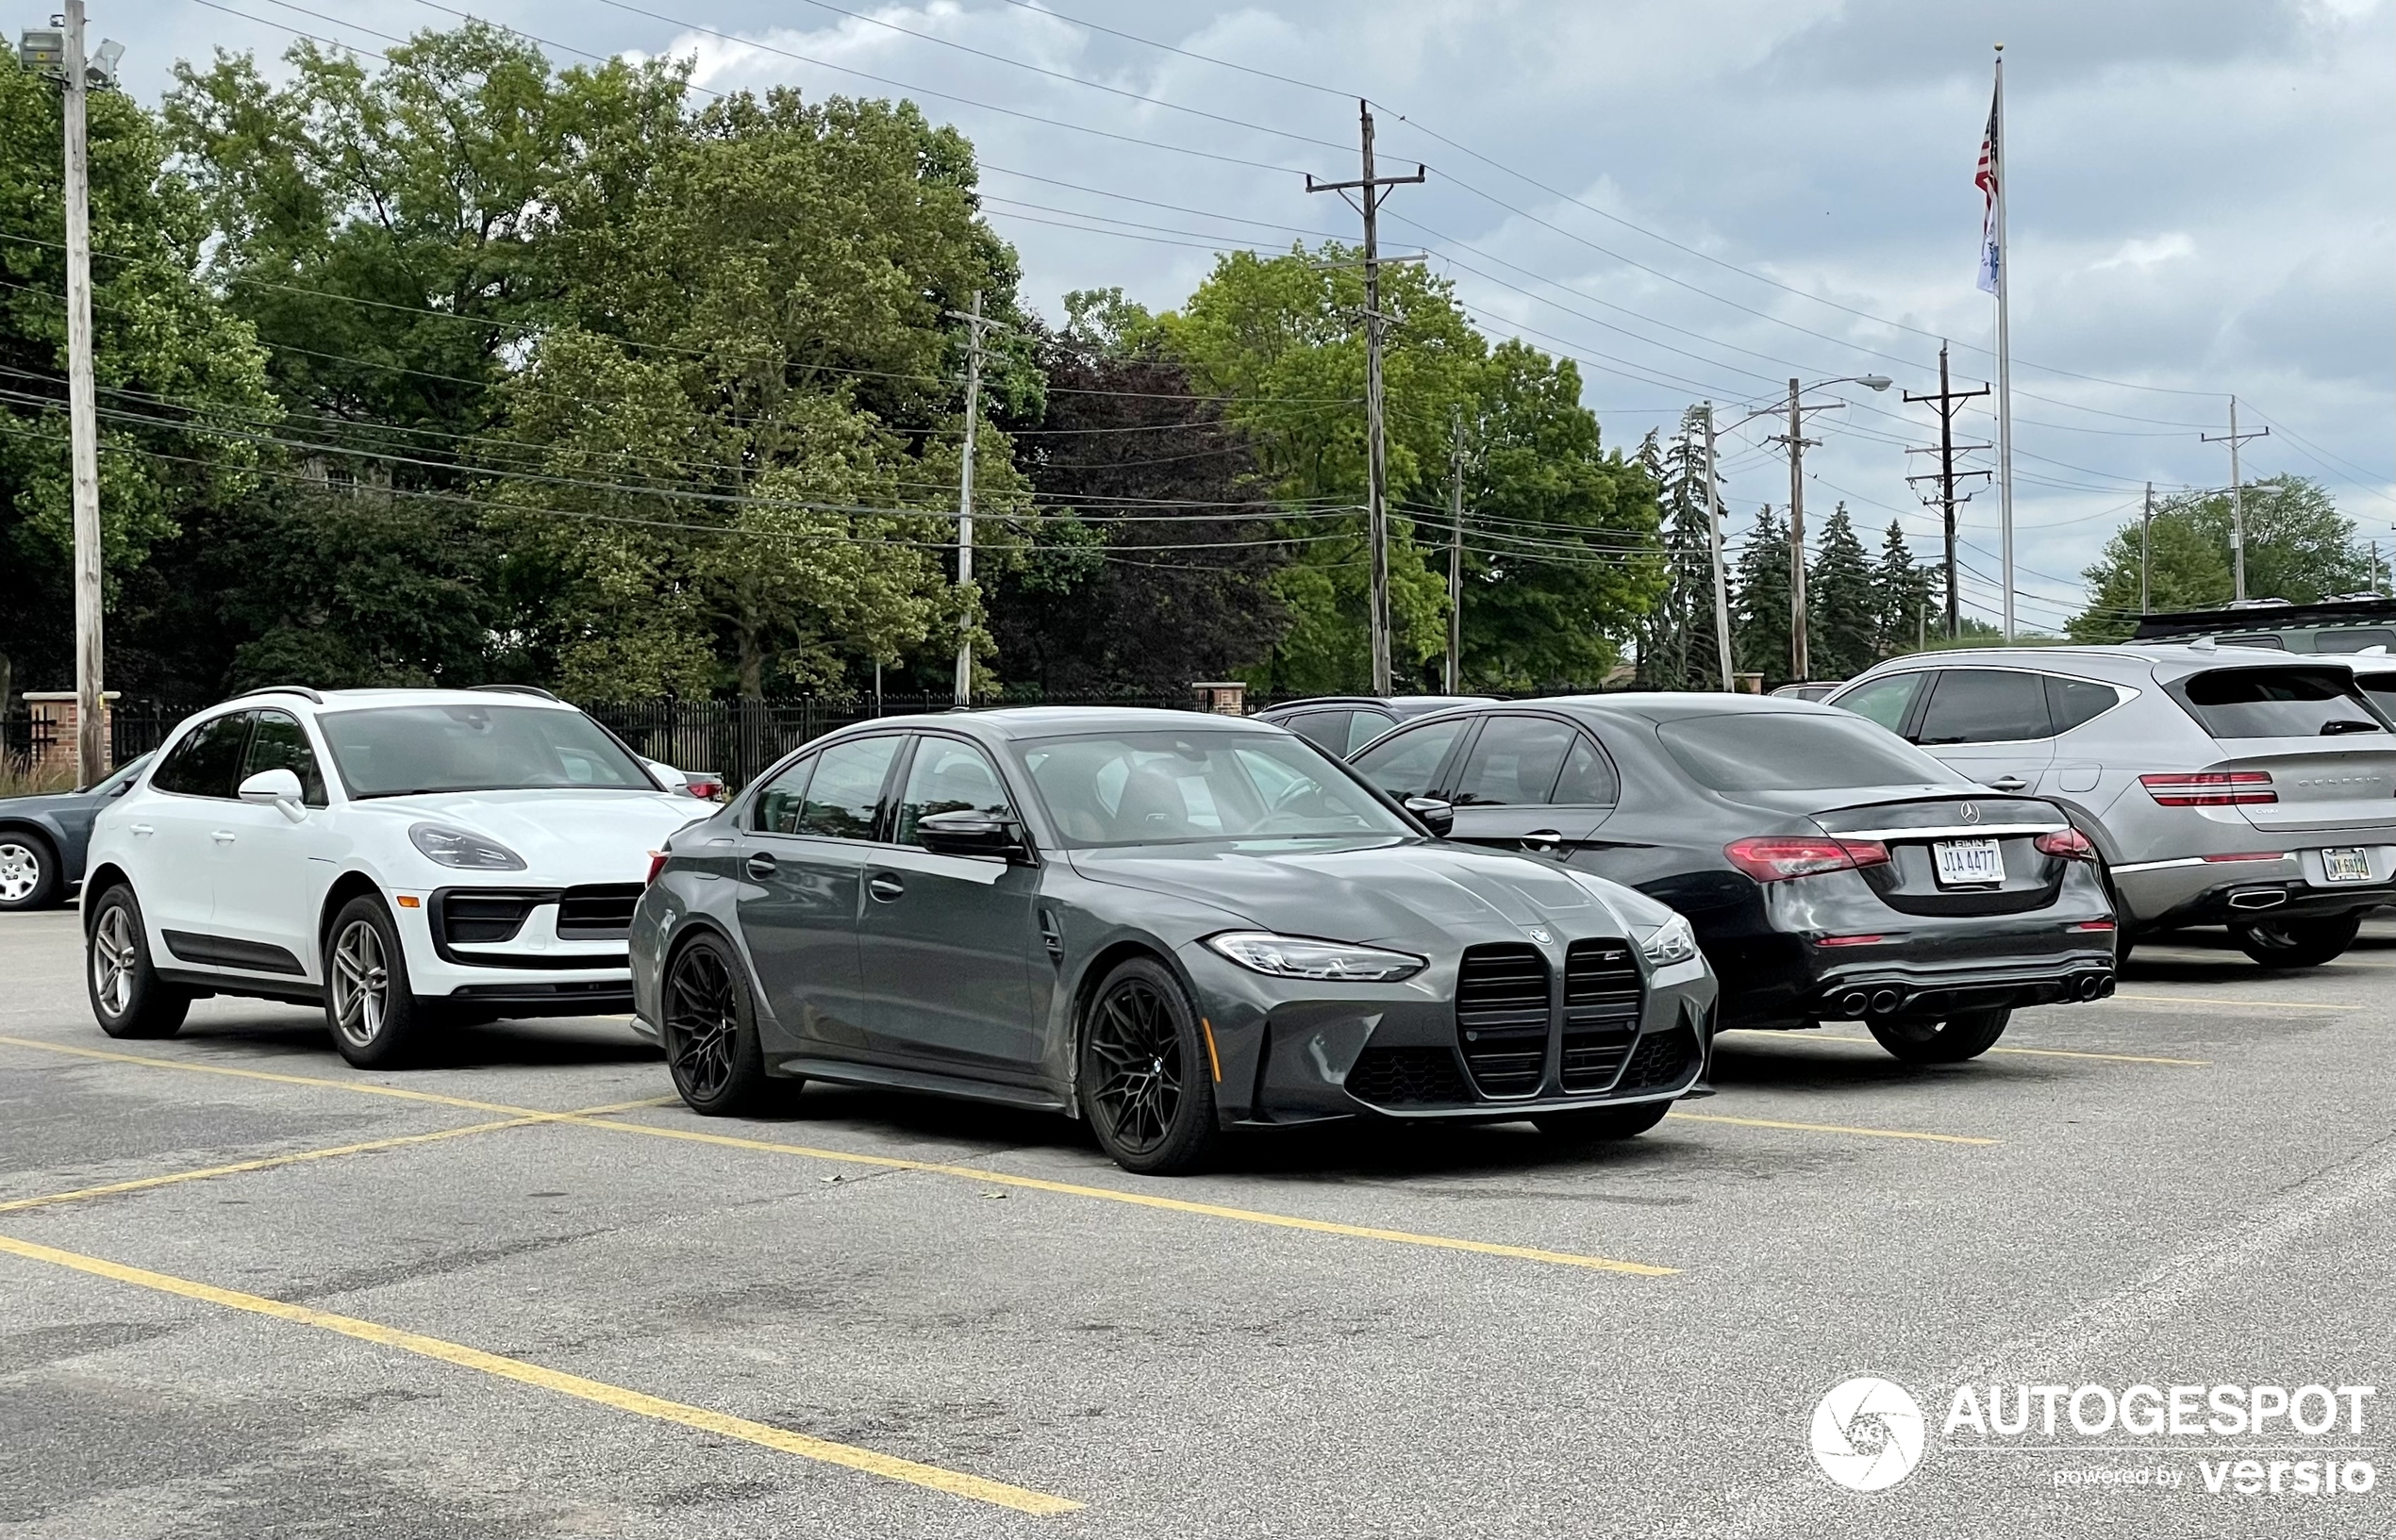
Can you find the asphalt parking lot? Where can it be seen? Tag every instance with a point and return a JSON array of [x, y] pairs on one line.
[[247, 1290]]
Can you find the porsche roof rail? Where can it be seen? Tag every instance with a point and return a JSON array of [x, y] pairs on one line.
[[301, 690], [517, 689]]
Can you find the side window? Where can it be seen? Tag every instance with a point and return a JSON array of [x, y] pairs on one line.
[[947, 777], [1884, 701], [1514, 762], [1406, 764], [1587, 780], [208, 762], [2071, 702], [278, 742], [777, 807], [1986, 706], [1366, 726], [1326, 730], [847, 788], [2355, 641]]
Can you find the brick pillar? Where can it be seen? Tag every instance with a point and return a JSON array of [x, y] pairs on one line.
[[56, 725], [1224, 698]]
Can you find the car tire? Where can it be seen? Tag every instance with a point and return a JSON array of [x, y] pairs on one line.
[[2297, 943], [1593, 1125], [128, 999], [1965, 1036], [709, 1033], [28, 873], [376, 1023], [1145, 1083]]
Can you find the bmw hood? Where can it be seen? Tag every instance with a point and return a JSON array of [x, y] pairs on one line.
[[567, 833], [1386, 892]]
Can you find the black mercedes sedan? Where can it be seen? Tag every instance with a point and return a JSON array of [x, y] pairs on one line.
[[1831, 870], [1170, 924]]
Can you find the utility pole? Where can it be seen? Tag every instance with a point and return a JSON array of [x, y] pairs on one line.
[[2237, 499], [1721, 577], [975, 324], [2146, 545], [1797, 444], [1376, 466], [1454, 676], [1948, 401]]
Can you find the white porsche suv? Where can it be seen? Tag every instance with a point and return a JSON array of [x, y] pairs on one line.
[[397, 855]]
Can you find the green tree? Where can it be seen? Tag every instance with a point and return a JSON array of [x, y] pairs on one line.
[[1759, 614], [1903, 595], [1843, 622], [2299, 547], [1681, 650]]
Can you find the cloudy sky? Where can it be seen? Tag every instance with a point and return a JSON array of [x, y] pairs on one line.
[[1695, 198]]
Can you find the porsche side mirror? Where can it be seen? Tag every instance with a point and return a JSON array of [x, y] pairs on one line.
[[967, 831], [277, 789], [1437, 816]]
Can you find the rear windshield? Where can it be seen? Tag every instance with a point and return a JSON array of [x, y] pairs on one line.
[[2278, 703], [1773, 750]]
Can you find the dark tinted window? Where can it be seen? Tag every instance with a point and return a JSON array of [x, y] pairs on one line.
[[1587, 780], [2071, 702], [2268, 644], [777, 809], [1786, 751], [948, 777], [1985, 706], [208, 762], [1326, 730], [1406, 764], [847, 788], [278, 742], [2278, 703], [1367, 726], [1884, 701], [2355, 641], [1514, 762]]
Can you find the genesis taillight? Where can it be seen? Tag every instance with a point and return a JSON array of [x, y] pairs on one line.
[[2069, 843], [1771, 858], [2209, 789]]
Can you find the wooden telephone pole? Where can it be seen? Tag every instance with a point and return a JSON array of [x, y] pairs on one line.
[[1948, 402]]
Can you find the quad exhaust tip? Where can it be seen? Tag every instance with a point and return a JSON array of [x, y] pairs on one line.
[[1886, 1000], [1855, 1002], [2093, 986]]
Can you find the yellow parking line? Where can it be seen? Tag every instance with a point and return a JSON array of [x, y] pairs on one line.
[[267, 1163], [1830, 1128], [971, 1173], [1021, 1500], [2225, 1000]]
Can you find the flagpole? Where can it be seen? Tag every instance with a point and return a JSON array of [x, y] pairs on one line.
[[2005, 361]]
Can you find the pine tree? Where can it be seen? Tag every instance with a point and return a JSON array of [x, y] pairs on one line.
[[1842, 623], [1902, 596], [1759, 615], [1681, 651]]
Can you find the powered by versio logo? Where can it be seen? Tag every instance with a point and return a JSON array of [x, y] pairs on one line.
[[1867, 1433]]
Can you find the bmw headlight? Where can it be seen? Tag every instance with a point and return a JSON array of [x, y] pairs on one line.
[[1303, 957], [1669, 943], [463, 848]]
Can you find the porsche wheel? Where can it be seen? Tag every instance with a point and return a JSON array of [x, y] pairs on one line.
[[376, 1023], [127, 996]]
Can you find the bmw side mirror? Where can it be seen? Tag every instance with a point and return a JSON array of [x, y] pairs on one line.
[[1437, 816], [277, 789], [968, 831]]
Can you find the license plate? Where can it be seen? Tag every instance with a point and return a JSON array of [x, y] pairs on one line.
[[2349, 864], [1969, 861]]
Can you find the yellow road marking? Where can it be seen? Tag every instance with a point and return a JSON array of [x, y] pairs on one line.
[[971, 1173], [1830, 1128], [2039, 1053], [266, 1163], [2225, 1000], [1021, 1500]]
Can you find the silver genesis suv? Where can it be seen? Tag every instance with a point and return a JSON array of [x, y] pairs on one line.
[[2221, 785]]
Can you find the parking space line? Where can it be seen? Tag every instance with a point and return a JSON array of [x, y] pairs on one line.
[[1829, 1128], [971, 1173], [2039, 1053], [2225, 1000], [268, 1162], [1021, 1500]]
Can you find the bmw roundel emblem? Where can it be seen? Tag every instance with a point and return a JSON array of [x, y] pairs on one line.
[[1972, 811], [1539, 933]]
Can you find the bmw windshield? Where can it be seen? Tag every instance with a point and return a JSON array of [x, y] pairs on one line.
[[397, 751], [1112, 789]]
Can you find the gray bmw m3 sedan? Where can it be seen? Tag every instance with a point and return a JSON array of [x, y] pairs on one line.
[[1170, 924]]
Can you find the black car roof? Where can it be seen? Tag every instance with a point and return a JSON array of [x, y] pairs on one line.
[[1668, 705]]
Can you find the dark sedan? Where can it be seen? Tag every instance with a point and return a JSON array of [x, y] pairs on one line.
[[1344, 723], [1831, 870], [1170, 924], [42, 838]]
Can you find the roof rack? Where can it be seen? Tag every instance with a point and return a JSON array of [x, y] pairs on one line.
[[517, 689], [301, 690]]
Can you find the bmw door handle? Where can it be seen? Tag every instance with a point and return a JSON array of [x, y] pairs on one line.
[[761, 866], [886, 886], [2008, 783], [1543, 841]]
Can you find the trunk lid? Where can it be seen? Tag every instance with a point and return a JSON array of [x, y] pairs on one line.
[[2316, 785], [1914, 827]]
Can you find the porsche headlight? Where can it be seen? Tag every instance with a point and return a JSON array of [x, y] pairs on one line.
[[1669, 943], [463, 848], [1303, 957]]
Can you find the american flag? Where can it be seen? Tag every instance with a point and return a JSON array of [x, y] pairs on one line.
[[1985, 180]]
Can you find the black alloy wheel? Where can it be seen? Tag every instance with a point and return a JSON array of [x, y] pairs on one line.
[[711, 1033], [2297, 943], [1146, 1079], [1929, 1040]]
